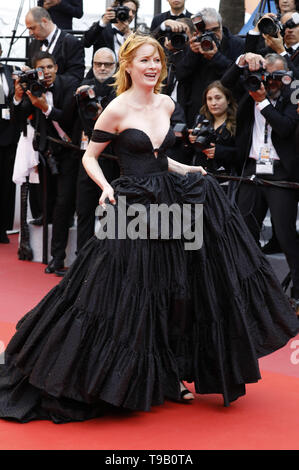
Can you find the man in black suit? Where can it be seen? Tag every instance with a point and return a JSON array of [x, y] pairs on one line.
[[67, 50], [109, 31], [53, 116], [201, 67], [266, 147], [88, 192], [63, 11], [177, 10], [9, 135]]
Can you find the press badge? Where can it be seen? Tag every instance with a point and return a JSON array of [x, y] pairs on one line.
[[5, 114], [265, 163]]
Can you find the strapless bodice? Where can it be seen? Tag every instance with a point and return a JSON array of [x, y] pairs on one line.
[[135, 151]]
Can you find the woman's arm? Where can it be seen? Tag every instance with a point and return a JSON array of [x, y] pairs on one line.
[[106, 122], [183, 169]]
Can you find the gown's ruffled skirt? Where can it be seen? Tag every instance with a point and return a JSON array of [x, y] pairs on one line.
[[133, 317]]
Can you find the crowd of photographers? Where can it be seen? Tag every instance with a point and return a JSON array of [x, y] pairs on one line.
[[236, 113]]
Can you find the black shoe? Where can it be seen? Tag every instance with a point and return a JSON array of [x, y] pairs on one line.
[[271, 247], [3, 237], [38, 222], [55, 266]]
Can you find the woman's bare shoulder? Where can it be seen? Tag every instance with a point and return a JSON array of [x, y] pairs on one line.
[[111, 116], [167, 102]]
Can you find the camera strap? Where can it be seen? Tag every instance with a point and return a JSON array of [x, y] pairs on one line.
[[53, 39]]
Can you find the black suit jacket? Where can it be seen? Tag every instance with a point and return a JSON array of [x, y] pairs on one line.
[[62, 15], [283, 120], [64, 112], [158, 19], [9, 131], [69, 56]]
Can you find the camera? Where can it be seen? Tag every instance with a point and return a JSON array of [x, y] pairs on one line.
[[33, 79], [122, 13], [291, 23], [206, 40], [199, 23], [205, 135], [88, 102], [178, 40], [253, 80], [270, 25]]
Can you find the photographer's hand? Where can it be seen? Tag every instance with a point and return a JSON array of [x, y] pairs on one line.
[[19, 92], [259, 95], [254, 61], [194, 44], [208, 54], [175, 26], [38, 102], [210, 152], [108, 16], [275, 43]]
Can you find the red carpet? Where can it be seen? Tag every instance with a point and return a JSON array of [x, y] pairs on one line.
[[265, 419]]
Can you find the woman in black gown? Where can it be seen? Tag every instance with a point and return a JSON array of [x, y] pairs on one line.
[[133, 318]]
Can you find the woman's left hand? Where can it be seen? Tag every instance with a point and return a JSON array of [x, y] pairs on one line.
[[197, 169], [210, 152]]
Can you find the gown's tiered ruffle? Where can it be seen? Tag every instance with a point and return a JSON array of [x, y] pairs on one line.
[[133, 317]]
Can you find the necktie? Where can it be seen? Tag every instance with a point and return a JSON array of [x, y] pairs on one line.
[[45, 42], [289, 50]]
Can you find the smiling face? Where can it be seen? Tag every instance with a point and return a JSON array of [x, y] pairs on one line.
[[217, 102], [145, 68]]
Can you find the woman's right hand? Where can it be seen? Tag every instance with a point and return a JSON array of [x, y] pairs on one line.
[[107, 193]]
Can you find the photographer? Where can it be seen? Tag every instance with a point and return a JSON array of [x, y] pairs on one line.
[[67, 50], [162, 20], [88, 193], [213, 137], [211, 51], [113, 28], [47, 101], [281, 37], [266, 148]]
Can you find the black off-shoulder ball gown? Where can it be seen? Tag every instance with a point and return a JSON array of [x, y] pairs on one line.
[[131, 318]]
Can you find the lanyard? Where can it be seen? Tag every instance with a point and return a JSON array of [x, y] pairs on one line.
[[266, 134], [53, 39]]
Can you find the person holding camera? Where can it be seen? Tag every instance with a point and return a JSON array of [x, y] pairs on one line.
[[49, 102], [281, 37], [113, 28], [211, 51], [213, 136], [266, 149], [88, 193], [67, 50], [162, 20], [63, 11]]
